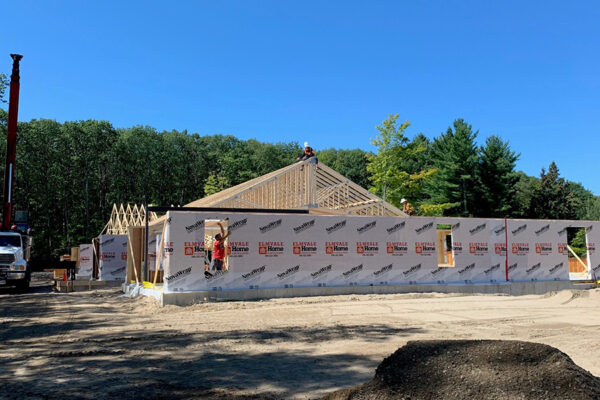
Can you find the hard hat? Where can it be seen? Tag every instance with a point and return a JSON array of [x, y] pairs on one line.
[[306, 144]]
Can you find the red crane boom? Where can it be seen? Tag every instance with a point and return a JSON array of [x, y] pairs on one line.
[[11, 142]]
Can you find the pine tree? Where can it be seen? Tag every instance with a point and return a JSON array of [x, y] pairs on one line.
[[3, 85], [525, 186], [455, 156], [552, 198], [496, 180]]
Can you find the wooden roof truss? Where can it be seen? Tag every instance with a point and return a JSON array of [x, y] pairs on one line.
[[300, 186], [123, 217]]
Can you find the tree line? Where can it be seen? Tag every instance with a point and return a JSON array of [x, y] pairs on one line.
[[69, 174], [67, 170], [451, 175]]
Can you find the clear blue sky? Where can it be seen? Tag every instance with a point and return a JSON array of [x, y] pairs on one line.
[[326, 72]]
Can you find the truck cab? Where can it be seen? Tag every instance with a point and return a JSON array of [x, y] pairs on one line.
[[14, 256]]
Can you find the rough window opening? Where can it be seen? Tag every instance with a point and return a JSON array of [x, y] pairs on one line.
[[577, 250], [445, 252], [211, 230]]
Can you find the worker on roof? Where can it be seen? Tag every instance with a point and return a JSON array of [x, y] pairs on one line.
[[308, 152], [407, 207]]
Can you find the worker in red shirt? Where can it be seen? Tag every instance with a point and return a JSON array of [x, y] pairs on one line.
[[218, 254]]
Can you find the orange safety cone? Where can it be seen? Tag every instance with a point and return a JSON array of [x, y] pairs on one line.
[[65, 276]]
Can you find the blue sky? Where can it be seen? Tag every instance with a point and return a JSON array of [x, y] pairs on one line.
[[326, 72]]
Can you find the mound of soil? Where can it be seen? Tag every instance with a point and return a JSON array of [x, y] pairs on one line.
[[476, 369]]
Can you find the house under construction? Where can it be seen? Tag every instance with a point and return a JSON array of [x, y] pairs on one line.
[[303, 185]]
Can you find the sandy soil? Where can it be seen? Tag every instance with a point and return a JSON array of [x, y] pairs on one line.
[[99, 345]]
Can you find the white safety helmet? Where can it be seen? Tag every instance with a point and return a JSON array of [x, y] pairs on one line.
[[306, 144]]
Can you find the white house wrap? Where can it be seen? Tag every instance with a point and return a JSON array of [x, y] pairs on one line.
[[112, 257], [304, 250], [86, 261], [537, 250]]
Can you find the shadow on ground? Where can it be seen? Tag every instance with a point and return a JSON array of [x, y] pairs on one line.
[[41, 282], [71, 359]]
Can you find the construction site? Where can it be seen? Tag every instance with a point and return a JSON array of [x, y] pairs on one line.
[[307, 230], [285, 279], [322, 280]]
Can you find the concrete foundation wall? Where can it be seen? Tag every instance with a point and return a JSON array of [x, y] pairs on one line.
[[513, 289]]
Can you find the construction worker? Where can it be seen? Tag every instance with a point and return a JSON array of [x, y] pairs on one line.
[[308, 152], [218, 254], [407, 207]]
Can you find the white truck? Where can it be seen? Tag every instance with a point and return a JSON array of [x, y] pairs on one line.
[[14, 257]]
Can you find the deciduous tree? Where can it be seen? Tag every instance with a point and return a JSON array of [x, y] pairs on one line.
[[350, 163], [389, 176]]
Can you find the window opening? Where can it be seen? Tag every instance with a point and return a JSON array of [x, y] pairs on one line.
[[576, 248], [444, 247], [212, 253]]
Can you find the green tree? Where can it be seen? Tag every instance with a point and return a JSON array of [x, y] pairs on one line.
[[525, 186], [592, 209], [137, 171], [41, 177], [214, 184], [496, 180], [88, 145], [552, 198], [350, 163], [418, 160], [389, 178], [3, 86], [266, 157], [582, 198], [577, 239], [455, 156]]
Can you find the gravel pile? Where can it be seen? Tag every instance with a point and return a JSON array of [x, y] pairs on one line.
[[476, 369]]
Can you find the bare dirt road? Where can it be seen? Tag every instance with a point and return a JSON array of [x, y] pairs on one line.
[[98, 345]]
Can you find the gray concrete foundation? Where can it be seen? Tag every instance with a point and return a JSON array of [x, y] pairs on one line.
[[509, 288]]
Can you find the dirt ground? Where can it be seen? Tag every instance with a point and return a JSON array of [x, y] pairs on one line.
[[99, 345], [476, 369]]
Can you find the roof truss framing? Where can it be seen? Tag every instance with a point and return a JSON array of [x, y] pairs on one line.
[[303, 185]]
